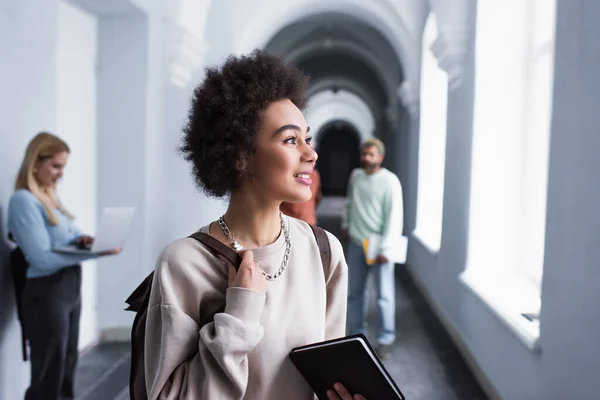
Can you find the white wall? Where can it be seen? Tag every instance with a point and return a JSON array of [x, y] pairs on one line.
[[122, 80], [28, 103], [76, 124], [570, 323]]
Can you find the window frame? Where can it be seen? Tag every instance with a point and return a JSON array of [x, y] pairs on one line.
[[517, 270]]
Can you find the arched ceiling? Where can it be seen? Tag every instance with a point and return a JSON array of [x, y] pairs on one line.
[[343, 67], [399, 23], [341, 52], [329, 31]]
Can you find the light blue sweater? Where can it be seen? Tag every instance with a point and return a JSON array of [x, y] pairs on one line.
[[36, 236], [374, 205]]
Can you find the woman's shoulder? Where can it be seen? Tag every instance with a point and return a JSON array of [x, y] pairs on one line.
[[187, 259], [22, 200], [185, 251], [186, 275], [303, 229], [24, 195]]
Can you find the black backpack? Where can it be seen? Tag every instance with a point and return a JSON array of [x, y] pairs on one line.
[[18, 269], [138, 303]]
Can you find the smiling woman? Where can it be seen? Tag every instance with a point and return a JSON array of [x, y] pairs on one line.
[[247, 139]]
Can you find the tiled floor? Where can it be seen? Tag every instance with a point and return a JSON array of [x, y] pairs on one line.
[[424, 361], [103, 372]]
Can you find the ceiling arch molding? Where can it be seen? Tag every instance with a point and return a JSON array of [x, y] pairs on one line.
[[379, 14], [325, 84], [363, 55], [325, 107]]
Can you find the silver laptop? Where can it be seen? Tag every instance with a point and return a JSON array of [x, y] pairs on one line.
[[114, 226]]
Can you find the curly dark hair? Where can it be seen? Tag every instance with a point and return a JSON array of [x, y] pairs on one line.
[[226, 112]]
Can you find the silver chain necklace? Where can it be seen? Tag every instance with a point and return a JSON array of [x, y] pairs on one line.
[[238, 247]]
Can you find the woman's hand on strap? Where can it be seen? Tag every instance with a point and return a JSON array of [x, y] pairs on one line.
[[340, 392], [249, 275]]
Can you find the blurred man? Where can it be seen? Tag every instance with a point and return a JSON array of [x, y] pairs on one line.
[[306, 211], [373, 207]]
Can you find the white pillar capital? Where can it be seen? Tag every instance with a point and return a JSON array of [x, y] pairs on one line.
[[409, 97], [454, 24]]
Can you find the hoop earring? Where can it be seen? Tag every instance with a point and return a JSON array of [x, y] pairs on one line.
[[35, 170]]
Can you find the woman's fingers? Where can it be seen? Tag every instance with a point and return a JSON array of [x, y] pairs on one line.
[[84, 241], [249, 275], [331, 395], [111, 252], [342, 393], [232, 273], [248, 257]]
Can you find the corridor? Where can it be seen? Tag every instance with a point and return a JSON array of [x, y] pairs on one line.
[[489, 115]]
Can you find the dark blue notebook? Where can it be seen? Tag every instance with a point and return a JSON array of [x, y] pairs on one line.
[[350, 361]]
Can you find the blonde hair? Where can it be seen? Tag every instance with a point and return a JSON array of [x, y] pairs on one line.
[[42, 147], [375, 143]]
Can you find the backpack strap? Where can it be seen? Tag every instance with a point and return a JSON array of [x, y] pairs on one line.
[[219, 250], [324, 247], [226, 254]]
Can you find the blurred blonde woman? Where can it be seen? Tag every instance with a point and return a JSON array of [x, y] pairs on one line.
[[51, 298]]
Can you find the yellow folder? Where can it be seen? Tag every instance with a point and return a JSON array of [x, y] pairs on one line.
[[369, 260]]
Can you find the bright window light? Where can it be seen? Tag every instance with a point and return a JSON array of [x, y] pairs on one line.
[[514, 63], [432, 144]]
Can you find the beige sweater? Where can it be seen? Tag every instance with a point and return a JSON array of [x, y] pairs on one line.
[[207, 341]]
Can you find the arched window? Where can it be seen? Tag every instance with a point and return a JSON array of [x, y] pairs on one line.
[[514, 64], [432, 143]]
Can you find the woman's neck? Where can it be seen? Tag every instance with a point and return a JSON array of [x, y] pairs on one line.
[[253, 221], [46, 193]]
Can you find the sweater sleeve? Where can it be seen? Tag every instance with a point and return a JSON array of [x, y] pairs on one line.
[[27, 224], [186, 361], [394, 215], [337, 291]]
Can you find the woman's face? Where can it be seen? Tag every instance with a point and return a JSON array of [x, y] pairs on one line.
[[284, 157], [48, 171]]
